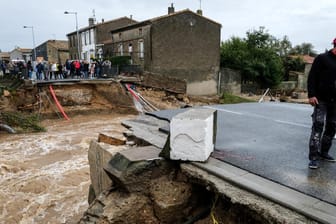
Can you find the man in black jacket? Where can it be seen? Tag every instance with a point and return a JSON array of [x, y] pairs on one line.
[[322, 95]]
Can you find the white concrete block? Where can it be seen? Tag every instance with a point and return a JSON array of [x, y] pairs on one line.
[[192, 135]]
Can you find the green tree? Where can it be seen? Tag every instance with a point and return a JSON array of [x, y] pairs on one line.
[[284, 47], [293, 63], [262, 58], [304, 49], [234, 53], [256, 57]]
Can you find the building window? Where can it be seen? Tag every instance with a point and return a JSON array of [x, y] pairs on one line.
[[141, 49], [120, 36], [83, 38], [140, 31], [92, 37], [120, 50], [130, 49]]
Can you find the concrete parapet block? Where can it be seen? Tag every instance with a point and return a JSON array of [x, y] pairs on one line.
[[192, 135]]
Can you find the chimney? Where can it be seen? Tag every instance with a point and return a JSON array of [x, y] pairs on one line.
[[91, 21], [171, 9], [199, 12], [103, 20]]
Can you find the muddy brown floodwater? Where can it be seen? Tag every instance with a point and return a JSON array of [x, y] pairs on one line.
[[44, 177]]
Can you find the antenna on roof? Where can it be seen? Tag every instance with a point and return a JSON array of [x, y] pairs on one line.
[[94, 15], [199, 11]]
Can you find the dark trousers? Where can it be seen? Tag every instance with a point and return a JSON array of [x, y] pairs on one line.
[[323, 129]]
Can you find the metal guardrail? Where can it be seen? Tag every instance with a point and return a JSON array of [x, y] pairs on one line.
[[116, 70]]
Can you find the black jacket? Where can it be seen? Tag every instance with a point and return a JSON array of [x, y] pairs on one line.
[[322, 78]]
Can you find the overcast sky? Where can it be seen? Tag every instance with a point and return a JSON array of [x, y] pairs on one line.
[[303, 21]]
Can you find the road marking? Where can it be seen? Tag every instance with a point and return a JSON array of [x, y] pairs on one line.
[[292, 123], [229, 111], [260, 116]]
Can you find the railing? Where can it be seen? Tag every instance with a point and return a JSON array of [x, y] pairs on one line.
[[120, 69]]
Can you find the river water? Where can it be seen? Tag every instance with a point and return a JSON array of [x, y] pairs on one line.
[[44, 177]]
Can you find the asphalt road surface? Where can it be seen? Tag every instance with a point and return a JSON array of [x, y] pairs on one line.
[[270, 139]]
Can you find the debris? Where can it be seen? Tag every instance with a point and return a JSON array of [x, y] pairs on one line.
[[6, 93], [110, 140], [7, 128]]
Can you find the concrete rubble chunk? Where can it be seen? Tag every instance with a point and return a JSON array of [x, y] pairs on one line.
[[110, 139], [100, 154], [192, 135], [6, 93], [131, 169]]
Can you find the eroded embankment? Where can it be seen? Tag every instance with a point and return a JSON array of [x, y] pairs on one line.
[[135, 185], [75, 98]]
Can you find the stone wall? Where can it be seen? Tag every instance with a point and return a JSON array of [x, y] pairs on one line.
[[186, 46], [230, 81]]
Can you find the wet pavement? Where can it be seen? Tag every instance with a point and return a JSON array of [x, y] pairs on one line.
[[271, 141]]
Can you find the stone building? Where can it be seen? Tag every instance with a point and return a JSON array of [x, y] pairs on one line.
[[4, 56], [183, 45], [18, 53], [300, 78], [53, 51], [93, 37]]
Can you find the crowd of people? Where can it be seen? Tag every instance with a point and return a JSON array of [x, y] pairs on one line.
[[14, 67], [71, 69], [81, 69]]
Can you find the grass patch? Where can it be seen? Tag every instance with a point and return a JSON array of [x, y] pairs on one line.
[[21, 122], [231, 99]]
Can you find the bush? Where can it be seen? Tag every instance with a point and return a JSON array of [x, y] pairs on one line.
[[231, 99], [21, 122]]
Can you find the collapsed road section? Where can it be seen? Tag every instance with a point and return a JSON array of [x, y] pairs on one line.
[[137, 185]]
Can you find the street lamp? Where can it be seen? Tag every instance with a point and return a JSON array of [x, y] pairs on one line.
[[32, 28], [75, 13]]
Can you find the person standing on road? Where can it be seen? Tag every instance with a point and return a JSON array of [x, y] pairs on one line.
[[92, 70], [53, 70], [68, 68], [29, 70], [77, 68], [322, 96], [39, 70]]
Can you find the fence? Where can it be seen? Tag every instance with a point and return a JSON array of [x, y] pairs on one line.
[[120, 69]]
